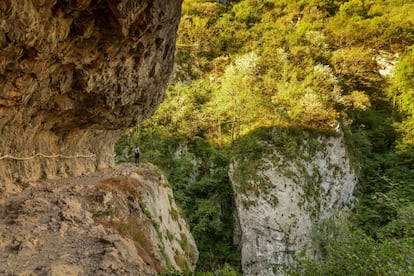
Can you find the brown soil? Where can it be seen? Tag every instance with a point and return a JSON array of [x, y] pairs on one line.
[[69, 227]]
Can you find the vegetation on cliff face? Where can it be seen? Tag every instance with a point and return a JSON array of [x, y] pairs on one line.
[[251, 64]]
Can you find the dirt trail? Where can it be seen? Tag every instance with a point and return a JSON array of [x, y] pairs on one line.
[[51, 229]]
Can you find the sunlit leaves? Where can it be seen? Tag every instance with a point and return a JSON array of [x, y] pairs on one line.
[[238, 100], [356, 68], [402, 92], [353, 8], [252, 63], [356, 100]]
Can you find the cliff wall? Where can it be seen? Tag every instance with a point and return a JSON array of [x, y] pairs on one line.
[[73, 76], [283, 194]]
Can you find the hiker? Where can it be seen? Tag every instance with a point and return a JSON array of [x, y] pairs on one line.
[[136, 152]]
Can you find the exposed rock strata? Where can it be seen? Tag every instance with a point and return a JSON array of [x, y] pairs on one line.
[[74, 75], [118, 222], [287, 197]]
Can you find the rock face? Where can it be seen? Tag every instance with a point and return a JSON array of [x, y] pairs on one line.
[[73, 76], [117, 222], [286, 198]]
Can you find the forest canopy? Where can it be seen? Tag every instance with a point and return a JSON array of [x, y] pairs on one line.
[[248, 64]]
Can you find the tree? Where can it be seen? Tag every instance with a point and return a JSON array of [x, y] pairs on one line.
[[238, 100], [402, 92]]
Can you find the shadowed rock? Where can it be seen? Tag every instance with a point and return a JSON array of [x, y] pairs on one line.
[[76, 74]]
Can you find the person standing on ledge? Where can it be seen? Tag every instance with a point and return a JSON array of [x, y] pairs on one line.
[[136, 152]]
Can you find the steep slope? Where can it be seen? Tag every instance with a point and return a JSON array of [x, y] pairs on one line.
[[73, 76], [116, 222], [284, 193]]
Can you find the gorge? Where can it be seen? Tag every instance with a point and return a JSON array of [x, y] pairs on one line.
[[276, 137]]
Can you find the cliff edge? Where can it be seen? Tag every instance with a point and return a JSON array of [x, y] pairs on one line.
[[122, 221]]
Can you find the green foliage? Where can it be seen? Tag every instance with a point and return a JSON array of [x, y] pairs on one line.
[[402, 92], [354, 253], [280, 147], [227, 270], [181, 262], [402, 226], [324, 235], [238, 98], [102, 213], [310, 57], [386, 188], [353, 8], [197, 172], [156, 225], [356, 68], [253, 73]]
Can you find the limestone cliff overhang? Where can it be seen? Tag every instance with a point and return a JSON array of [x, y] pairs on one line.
[[74, 74]]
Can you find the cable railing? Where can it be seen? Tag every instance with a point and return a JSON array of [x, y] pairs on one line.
[[39, 154]]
